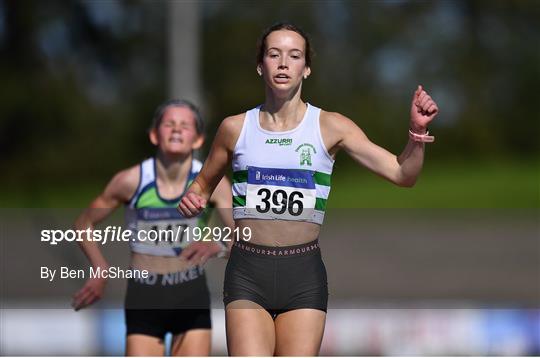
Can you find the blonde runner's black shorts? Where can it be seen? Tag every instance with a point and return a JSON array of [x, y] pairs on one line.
[[162, 303]]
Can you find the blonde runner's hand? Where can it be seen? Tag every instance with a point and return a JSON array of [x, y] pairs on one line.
[[91, 292]]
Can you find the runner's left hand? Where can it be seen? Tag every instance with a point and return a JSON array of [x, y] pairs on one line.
[[423, 110]]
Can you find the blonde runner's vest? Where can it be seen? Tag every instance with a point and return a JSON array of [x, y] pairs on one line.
[[148, 211], [281, 175]]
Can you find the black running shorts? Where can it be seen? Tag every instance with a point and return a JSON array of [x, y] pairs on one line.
[[279, 279], [174, 302]]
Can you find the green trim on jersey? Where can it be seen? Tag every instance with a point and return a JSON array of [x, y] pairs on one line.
[[239, 200], [150, 199], [240, 176], [320, 204]]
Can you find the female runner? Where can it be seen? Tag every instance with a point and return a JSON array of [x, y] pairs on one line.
[[175, 297], [282, 154]]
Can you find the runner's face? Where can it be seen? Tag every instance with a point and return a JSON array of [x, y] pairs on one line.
[[284, 61], [177, 132]]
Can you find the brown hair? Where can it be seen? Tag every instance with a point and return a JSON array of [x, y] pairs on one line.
[[261, 43], [160, 111]]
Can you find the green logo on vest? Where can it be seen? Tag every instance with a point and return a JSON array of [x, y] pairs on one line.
[[305, 157], [305, 153], [280, 142]]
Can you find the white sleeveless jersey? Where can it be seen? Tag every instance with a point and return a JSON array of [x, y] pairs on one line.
[[147, 211], [281, 175]]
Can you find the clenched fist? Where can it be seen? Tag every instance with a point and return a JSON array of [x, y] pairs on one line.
[[423, 110], [191, 205]]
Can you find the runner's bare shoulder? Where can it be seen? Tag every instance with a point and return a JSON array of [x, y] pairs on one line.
[[123, 185], [230, 130]]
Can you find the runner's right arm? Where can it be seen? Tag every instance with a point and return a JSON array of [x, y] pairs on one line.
[[214, 167], [118, 191]]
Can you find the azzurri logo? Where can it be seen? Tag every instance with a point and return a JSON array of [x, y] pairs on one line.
[[279, 141]]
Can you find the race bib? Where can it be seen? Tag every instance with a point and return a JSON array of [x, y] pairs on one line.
[[287, 194], [163, 229]]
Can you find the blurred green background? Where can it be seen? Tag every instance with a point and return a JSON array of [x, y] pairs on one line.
[[80, 81]]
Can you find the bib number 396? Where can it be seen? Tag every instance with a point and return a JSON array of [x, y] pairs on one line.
[[279, 202]]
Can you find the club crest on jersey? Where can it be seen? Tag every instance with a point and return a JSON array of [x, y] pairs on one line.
[[305, 151]]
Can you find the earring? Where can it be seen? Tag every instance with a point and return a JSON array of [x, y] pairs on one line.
[[259, 71]]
